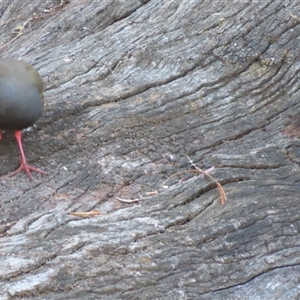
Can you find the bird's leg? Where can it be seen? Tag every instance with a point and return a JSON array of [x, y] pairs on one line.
[[24, 166], [0, 135]]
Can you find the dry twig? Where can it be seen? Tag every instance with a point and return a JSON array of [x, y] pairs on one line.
[[205, 173], [84, 214], [127, 200]]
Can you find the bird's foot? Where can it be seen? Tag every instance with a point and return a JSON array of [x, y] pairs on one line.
[[27, 168]]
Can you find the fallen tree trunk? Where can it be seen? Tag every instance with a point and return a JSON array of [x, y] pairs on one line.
[[137, 93]]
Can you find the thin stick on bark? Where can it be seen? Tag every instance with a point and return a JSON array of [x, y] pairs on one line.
[[205, 173]]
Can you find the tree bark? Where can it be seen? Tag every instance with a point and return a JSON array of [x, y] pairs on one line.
[[137, 93]]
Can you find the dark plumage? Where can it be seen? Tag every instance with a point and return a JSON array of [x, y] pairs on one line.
[[21, 102]]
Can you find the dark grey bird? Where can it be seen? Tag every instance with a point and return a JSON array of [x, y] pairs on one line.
[[21, 102]]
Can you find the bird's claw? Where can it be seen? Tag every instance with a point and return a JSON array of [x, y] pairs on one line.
[[27, 168]]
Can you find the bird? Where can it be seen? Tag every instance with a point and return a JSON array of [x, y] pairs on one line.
[[21, 103]]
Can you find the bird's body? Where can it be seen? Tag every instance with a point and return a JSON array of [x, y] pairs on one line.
[[21, 101]]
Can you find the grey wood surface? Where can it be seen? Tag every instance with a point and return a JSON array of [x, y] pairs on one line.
[[132, 88]]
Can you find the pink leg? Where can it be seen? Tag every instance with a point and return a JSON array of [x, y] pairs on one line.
[[24, 166]]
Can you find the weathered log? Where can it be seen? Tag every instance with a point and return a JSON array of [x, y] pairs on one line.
[[134, 88]]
